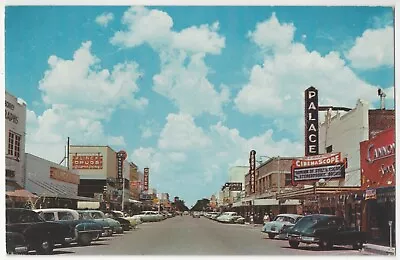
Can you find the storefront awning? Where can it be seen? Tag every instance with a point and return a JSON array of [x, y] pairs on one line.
[[301, 194], [135, 201], [21, 194]]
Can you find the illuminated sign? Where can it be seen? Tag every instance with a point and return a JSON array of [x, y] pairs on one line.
[[87, 162], [252, 162], [121, 156], [311, 121], [146, 179], [325, 159], [64, 176], [234, 186]]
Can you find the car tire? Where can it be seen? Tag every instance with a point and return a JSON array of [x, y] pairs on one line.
[[44, 247], [358, 245], [84, 239], [10, 250], [325, 244], [96, 236], [294, 244], [271, 236]]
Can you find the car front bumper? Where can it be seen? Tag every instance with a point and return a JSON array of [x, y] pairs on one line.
[[304, 239], [21, 249]]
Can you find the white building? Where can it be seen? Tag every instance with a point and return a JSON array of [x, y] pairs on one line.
[[49, 179], [237, 173], [15, 129], [343, 132]]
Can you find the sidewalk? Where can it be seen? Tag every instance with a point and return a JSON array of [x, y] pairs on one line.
[[377, 249]]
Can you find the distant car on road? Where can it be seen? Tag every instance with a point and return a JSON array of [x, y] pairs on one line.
[[196, 215], [273, 228], [326, 231]]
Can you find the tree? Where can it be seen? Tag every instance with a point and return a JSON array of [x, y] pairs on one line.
[[201, 205]]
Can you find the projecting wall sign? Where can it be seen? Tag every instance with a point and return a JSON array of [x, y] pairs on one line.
[[252, 161], [146, 179], [121, 156], [311, 121]]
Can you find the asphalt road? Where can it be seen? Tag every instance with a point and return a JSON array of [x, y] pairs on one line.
[[193, 236]]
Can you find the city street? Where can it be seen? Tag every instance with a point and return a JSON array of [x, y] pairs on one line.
[[193, 236]]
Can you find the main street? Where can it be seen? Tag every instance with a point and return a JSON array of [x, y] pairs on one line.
[[193, 236]]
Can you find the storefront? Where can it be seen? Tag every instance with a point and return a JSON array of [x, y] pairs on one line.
[[378, 184], [15, 129]]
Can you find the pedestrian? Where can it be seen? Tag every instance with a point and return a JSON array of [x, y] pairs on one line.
[[271, 216], [266, 218]]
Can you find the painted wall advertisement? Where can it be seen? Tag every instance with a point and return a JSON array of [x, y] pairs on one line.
[[146, 179], [311, 121], [252, 162], [378, 161], [64, 176], [314, 168], [87, 161]]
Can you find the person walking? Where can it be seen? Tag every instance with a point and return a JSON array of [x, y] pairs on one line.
[[266, 218]]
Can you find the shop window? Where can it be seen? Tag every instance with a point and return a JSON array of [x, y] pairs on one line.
[[14, 145], [288, 179]]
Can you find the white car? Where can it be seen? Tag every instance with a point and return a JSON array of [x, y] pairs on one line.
[[280, 222], [134, 220], [228, 217], [149, 216]]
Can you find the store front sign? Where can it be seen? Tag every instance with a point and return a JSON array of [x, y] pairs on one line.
[[378, 160], [121, 156], [87, 162], [252, 162], [234, 186], [146, 179], [311, 121], [64, 176], [10, 116]]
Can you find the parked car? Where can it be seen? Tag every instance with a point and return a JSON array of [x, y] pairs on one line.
[[240, 220], [118, 216], [40, 235], [227, 217], [326, 231], [133, 220], [15, 243], [283, 234], [196, 215], [107, 231], [150, 216], [81, 230], [99, 217], [273, 228]]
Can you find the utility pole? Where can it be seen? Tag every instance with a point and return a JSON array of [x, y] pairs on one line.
[[123, 193], [279, 185]]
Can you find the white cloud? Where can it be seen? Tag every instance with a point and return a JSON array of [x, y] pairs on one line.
[[183, 70], [104, 19], [79, 96], [375, 48], [180, 133], [276, 87]]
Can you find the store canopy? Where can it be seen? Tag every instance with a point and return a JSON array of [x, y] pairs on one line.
[[301, 194], [21, 194]]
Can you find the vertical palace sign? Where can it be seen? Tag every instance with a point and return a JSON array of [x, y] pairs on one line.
[[252, 162], [311, 121], [146, 179], [121, 156]]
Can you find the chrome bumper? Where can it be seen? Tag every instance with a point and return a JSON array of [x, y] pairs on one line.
[[68, 239], [21, 250]]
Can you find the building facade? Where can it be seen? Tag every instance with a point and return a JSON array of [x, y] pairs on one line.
[[55, 184], [15, 131]]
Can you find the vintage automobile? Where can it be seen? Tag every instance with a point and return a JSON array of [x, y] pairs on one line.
[[196, 215], [99, 217], [15, 243], [227, 217], [118, 216], [40, 235], [274, 227], [326, 231], [283, 233], [150, 216], [81, 230]]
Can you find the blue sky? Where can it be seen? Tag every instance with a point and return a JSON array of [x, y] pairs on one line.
[[188, 91]]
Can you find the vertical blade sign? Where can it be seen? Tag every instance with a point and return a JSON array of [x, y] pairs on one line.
[[252, 162], [121, 156], [311, 121], [146, 179]]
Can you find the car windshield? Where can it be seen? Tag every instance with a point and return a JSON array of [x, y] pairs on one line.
[[308, 222]]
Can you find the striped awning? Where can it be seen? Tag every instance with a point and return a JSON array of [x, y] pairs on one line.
[[301, 194]]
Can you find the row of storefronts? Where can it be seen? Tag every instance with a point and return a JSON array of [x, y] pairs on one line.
[[351, 172]]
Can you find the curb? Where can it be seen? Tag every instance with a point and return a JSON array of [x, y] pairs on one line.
[[377, 249]]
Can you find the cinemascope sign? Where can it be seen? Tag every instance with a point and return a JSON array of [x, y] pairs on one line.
[[311, 121], [146, 179], [313, 168], [252, 161]]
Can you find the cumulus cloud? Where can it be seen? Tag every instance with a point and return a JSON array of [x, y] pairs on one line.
[[183, 69], [104, 19], [79, 97], [374, 49], [276, 87]]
